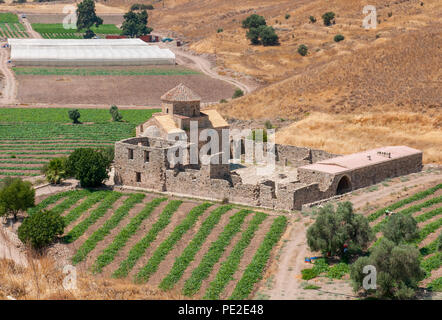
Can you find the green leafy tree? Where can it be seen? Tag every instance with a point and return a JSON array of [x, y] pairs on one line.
[[398, 270], [328, 18], [108, 153], [89, 166], [339, 37], [15, 196], [55, 170], [254, 21], [115, 113], [41, 229], [135, 24], [74, 115], [268, 36], [303, 50], [401, 228], [253, 35], [87, 18], [333, 231]]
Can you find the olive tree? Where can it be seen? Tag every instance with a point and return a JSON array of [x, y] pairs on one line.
[[398, 270], [15, 196], [89, 166], [400, 228], [339, 231]]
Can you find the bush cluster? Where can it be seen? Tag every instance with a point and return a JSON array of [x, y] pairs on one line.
[[259, 32]]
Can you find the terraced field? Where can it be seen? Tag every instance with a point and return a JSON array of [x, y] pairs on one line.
[[206, 250], [426, 208], [13, 30], [57, 31], [10, 27], [31, 137]]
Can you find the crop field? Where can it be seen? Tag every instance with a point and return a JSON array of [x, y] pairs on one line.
[[426, 207], [101, 72], [57, 31], [8, 17], [10, 27], [29, 138], [133, 85], [205, 250]]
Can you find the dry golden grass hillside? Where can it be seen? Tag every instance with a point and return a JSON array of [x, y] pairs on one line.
[[377, 87], [42, 280]]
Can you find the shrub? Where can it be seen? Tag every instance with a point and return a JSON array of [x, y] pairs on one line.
[[89, 166], [287, 16], [400, 228], [253, 35], [268, 124], [15, 196], [116, 116], [55, 170], [138, 6], [333, 230], [398, 270], [263, 34], [303, 50], [312, 19], [328, 18], [41, 229], [220, 30], [339, 37], [238, 93], [108, 153], [223, 101], [308, 274], [268, 36], [254, 21], [74, 115]]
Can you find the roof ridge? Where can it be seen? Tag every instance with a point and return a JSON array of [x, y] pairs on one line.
[[181, 93]]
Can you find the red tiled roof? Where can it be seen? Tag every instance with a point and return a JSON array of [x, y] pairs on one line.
[[181, 93]]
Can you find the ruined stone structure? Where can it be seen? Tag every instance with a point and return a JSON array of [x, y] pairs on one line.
[[143, 162]]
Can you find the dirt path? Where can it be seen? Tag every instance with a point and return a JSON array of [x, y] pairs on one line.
[[426, 181], [205, 66], [29, 30], [9, 250], [287, 284], [9, 91]]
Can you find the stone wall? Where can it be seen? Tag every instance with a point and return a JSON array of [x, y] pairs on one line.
[[142, 162]]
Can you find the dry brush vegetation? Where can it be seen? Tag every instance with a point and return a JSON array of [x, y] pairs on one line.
[[376, 87]]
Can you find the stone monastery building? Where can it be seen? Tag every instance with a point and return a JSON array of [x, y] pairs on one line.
[[142, 162]]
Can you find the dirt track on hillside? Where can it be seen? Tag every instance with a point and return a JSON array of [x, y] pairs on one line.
[[9, 84]]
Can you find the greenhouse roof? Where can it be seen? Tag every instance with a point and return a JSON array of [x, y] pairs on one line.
[[88, 52]]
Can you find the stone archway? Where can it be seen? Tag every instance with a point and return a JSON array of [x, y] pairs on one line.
[[344, 185]]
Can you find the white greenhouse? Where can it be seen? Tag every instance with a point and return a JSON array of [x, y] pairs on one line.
[[87, 52]]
